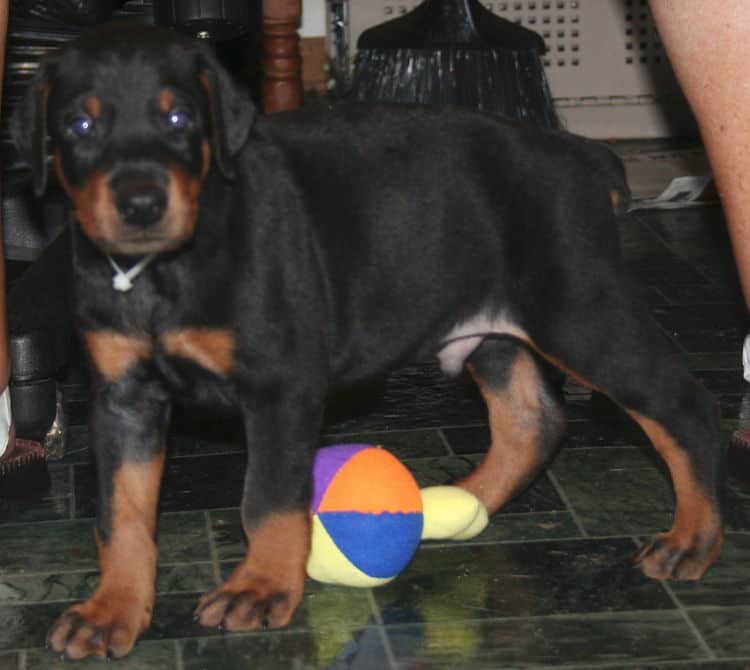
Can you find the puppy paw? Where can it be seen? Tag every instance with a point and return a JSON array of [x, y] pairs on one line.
[[248, 604], [102, 626], [266, 587], [671, 556]]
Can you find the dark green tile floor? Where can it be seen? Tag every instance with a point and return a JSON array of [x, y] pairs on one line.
[[549, 584]]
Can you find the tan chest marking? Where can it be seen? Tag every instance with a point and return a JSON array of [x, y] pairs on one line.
[[210, 348], [114, 354]]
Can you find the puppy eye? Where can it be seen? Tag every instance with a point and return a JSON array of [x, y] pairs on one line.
[[179, 118], [80, 126]]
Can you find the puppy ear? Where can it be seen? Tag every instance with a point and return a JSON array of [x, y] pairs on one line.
[[232, 113], [28, 126]]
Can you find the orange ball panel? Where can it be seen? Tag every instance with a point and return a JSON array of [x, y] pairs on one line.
[[372, 481]]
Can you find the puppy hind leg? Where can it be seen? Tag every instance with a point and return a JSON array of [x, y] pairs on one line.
[[640, 373], [526, 420], [696, 537]]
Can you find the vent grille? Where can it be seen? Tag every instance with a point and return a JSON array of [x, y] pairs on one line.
[[642, 43]]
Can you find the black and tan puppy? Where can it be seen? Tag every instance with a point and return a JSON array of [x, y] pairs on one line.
[[229, 259]]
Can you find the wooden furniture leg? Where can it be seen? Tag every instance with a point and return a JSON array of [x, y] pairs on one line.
[[282, 85]]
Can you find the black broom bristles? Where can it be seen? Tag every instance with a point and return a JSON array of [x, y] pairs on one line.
[[456, 52]]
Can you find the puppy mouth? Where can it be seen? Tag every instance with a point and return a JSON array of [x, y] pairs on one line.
[[139, 243]]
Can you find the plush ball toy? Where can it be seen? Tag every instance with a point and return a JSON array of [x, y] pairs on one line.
[[369, 515]]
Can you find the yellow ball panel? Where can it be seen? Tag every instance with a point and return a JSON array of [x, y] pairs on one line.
[[328, 565]]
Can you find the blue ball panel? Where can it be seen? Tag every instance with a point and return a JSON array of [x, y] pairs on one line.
[[380, 545]]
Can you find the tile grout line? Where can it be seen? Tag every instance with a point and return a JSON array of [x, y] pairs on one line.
[[93, 568], [674, 250], [683, 612], [419, 429], [69, 601], [446, 444], [50, 524], [667, 301], [212, 549], [679, 664], [178, 654], [381, 630], [72, 484], [555, 616], [589, 447], [676, 253], [689, 621], [571, 616], [566, 501]]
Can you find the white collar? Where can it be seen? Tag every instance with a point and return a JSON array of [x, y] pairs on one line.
[[122, 281]]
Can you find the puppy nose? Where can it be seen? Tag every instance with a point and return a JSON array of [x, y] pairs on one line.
[[141, 206]]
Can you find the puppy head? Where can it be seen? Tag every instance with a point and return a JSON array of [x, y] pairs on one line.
[[135, 117]]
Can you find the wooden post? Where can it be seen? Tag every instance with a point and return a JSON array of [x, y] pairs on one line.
[[282, 84]]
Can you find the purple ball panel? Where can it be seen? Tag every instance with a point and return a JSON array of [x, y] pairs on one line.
[[328, 462]]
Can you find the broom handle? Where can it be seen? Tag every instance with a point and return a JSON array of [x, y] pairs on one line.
[[458, 14]]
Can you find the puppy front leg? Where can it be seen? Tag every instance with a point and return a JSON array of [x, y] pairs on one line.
[[267, 586], [127, 431]]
